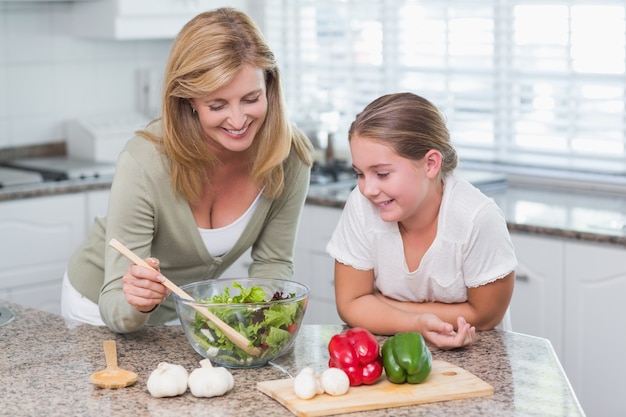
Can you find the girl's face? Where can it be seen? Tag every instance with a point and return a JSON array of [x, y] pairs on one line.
[[232, 115], [396, 185]]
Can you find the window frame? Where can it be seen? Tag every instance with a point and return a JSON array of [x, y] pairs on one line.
[[306, 83]]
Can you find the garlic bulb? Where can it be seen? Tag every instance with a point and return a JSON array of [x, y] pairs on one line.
[[167, 380], [209, 381]]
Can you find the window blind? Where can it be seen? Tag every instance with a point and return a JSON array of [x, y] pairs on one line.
[[520, 82]]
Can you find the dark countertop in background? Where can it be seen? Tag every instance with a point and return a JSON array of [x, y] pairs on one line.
[[46, 362], [51, 188], [591, 216]]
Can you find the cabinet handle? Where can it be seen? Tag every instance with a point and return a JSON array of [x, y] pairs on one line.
[[521, 277]]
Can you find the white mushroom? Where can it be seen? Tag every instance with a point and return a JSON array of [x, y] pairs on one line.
[[306, 384], [209, 381], [167, 380], [335, 381]]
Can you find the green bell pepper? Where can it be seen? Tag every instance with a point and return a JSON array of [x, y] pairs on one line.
[[406, 358]]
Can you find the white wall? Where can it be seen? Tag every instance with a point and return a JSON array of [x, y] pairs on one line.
[[48, 76]]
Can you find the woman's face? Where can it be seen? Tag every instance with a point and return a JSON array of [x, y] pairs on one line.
[[395, 185], [232, 115]]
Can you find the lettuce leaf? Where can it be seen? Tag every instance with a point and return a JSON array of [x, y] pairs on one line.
[[268, 328]]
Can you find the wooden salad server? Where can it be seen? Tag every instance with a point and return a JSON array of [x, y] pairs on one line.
[[112, 376], [233, 335]]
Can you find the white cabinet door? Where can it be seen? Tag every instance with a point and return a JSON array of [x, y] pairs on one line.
[[313, 266], [594, 336], [537, 304], [38, 237], [140, 19], [97, 203], [240, 268]]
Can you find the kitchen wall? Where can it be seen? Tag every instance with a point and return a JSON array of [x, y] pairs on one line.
[[49, 76]]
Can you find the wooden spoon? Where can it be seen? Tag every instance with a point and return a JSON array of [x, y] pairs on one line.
[[112, 376], [233, 335]]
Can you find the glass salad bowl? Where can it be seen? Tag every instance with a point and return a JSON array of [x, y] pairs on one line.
[[266, 311]]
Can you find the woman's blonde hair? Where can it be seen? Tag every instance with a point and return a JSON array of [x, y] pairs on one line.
[[207, 53], [408, 123]]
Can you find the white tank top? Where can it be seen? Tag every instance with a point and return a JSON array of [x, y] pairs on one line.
[[221, 240]]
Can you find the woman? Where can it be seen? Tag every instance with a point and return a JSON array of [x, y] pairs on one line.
[[418, 248], [221, 171]]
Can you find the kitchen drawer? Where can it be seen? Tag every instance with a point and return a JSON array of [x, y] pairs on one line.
[[38, 237]]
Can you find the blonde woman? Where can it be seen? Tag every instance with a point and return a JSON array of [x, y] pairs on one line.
[[221, 171]]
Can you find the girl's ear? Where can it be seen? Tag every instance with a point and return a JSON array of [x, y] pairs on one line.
[[433, 160]]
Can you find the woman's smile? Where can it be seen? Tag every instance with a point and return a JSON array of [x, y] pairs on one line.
[[238, 133], [232, 115]]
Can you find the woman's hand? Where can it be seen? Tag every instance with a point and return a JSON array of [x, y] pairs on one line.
[[142, 286], [442, 334]]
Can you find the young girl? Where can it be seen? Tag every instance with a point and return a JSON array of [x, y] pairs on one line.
[[418, 248]]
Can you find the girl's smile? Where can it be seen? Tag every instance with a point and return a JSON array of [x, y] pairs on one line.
[[392, 183]]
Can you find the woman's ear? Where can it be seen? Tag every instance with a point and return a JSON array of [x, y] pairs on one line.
[[192, 104], [433, 160]]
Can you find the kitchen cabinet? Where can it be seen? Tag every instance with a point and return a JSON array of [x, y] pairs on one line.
[[240, 268], [38, 237], [140, 19], [569, 292], [313, 266], [96, 205], [594, 336], [537, 304]]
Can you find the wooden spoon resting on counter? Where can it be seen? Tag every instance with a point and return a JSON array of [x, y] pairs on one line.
[[112, 376], [233, 335]]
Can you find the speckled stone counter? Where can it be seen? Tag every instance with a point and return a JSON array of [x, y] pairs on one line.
[[45, 364], [586, 215], [50, 188]]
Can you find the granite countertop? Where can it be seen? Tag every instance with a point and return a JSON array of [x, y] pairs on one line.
[[46, 362], [51, 188], [559, 212], [569, 213]]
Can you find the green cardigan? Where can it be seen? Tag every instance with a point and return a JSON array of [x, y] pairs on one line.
[[146, 216]]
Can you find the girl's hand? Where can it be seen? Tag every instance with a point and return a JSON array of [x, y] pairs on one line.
[[142, 286], [442, 334]]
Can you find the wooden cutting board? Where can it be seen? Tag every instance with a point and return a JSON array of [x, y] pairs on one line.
[[446, 382]]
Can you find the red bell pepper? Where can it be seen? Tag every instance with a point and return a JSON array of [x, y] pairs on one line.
[[357, 353]]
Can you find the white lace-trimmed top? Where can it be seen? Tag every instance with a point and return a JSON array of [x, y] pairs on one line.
[[472, 247], [219, 241]]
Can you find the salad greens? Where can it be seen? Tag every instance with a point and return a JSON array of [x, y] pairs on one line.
[[268, 327]]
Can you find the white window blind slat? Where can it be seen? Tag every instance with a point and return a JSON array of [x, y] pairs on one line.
[[520, 81]]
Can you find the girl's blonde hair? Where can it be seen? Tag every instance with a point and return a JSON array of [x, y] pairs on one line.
[[207, 53], [408, 123]]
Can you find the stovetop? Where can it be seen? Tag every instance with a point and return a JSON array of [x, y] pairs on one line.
[[12, 177], [63, 168]]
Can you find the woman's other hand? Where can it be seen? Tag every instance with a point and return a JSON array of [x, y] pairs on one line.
[[143, 286], [442, 334]]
